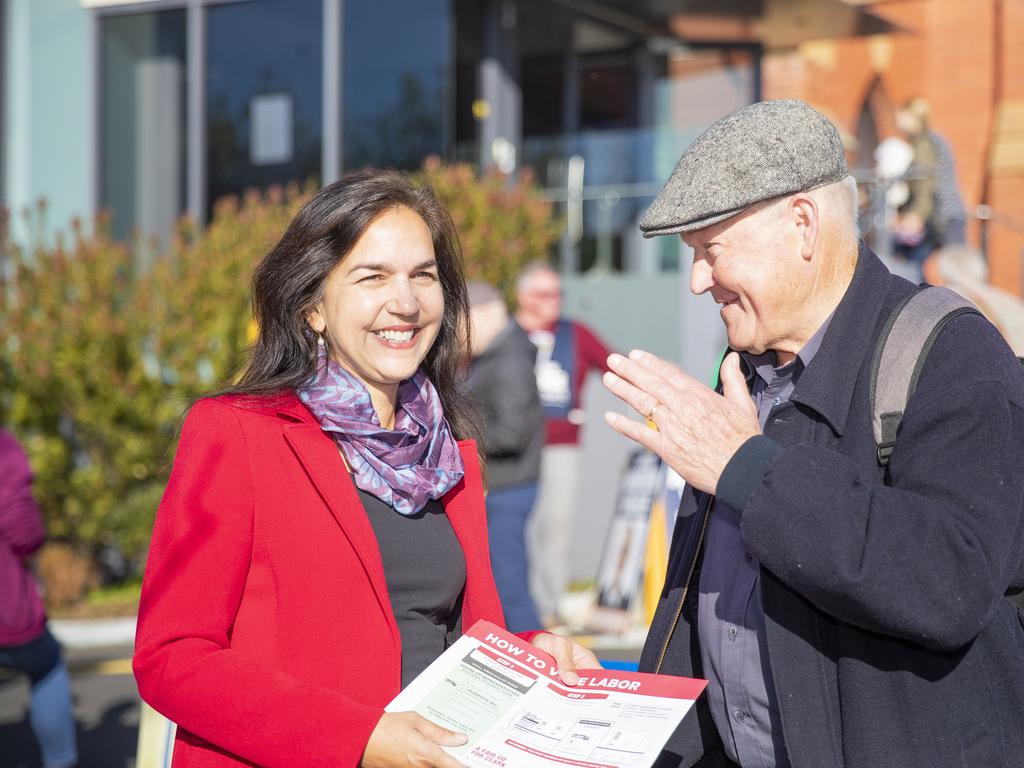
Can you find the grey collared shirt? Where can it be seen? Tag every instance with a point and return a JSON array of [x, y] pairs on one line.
[[730, 618]]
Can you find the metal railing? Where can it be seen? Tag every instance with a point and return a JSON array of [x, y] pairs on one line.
[[987, 216], [876, 216]]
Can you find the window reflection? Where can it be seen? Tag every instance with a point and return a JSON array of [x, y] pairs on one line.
[[595, 95], [263, 94], [143, 122], [398, 70]]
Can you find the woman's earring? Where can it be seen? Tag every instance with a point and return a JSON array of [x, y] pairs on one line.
[[319, 340]]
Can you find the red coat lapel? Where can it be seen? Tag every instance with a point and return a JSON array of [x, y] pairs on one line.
[[322, 461], [464, 506]]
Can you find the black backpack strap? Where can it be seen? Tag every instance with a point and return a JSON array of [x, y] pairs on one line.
[[900, 354]]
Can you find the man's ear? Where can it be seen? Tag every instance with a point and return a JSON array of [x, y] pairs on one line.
[[804, 211]]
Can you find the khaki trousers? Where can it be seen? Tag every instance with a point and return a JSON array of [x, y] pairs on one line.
[[550, 531]]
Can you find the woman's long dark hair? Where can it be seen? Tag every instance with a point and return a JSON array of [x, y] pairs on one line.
[[289, 281]]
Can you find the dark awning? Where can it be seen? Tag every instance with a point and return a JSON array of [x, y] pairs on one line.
[[772, 23]]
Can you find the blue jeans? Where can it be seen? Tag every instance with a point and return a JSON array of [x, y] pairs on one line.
[[507, 512], [50, 711]]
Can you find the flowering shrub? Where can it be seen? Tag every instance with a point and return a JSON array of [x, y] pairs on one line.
[[503, 223], [100, 360]]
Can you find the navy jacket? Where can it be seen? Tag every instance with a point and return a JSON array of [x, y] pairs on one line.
[[889, 637]]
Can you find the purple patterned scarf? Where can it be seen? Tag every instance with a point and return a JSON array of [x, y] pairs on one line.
[[405, 467]]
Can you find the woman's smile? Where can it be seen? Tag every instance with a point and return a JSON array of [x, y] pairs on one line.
[[397, 337]]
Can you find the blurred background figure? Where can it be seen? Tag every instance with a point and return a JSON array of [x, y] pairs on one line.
[[501, 377], [933, 215], [963, 269], [880, 202], [26, 645], [566, 351]]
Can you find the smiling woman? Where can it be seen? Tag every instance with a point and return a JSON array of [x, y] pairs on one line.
[[323, 535], [382, 307], [370, 246]]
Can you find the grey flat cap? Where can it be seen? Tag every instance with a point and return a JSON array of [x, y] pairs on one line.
[[765, 150]]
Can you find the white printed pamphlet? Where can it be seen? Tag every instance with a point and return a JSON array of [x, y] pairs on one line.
[[505, 695]]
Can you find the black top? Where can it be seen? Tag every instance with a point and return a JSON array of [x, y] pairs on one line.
[[425, 572], [504, 382]]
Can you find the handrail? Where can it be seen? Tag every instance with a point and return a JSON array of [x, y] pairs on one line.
[[987, 213], [986, 216]]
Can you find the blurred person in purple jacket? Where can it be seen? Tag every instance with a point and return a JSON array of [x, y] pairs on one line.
[[26, 645]]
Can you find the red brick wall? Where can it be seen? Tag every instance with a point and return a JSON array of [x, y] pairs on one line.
[[1006, 185], [963, 56]]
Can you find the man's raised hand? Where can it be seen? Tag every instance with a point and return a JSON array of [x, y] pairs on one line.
[[697, 430]]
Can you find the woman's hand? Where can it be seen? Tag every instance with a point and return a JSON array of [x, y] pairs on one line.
[[405, 739], [569, 655]]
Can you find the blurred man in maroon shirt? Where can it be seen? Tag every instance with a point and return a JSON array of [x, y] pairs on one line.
[[566, 351]]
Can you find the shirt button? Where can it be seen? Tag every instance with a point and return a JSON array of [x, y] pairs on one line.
[[733, 632], [739, 715], [776, 401]]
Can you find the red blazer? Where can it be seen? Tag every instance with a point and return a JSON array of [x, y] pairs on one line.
[[265, 627]]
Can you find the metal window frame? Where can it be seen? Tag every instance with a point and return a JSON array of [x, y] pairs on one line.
[[141, 6], [94, 118], [333, 83], [195, 94], [195, 98]]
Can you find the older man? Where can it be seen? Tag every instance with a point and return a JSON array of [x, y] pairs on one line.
[[845, 614]]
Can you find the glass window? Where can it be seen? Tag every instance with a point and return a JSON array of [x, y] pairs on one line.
[[635, 110], [468, 50], [546, 51], [609, 91], [399, 70], [542, 77], [143, 121], [263, 94]]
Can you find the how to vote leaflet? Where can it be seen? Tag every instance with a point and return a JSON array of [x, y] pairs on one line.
[[505, 695]]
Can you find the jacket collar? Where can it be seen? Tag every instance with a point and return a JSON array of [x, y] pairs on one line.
[[288, 405], [828, 383]]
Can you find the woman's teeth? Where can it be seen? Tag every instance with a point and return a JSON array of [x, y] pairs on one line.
[[397, 336]]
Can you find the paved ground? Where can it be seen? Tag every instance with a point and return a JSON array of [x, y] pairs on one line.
[[107, 702], [106, 708]]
